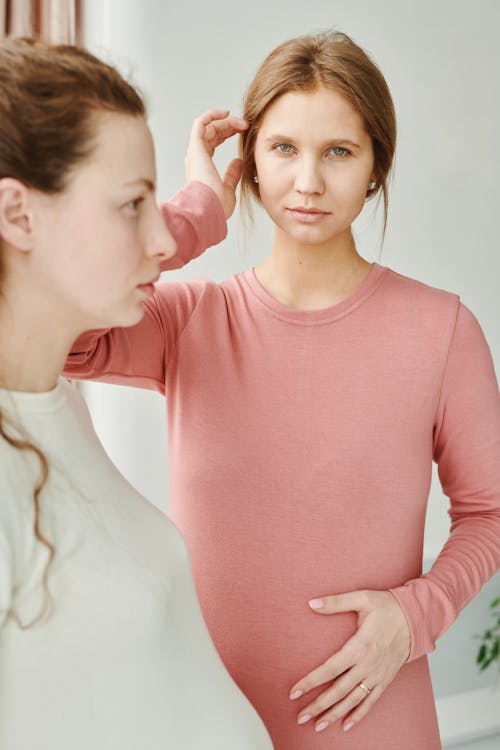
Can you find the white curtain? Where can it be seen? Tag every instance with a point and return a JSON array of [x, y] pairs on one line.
[[57, 21]]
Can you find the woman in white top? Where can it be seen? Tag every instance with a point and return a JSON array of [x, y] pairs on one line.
[[102, 644]]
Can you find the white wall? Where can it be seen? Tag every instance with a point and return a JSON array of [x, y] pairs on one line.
[[442, 62]]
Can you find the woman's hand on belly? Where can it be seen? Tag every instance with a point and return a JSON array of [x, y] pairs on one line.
[[360, 672]]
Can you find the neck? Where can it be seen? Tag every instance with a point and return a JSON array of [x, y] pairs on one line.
[[34, 345], [312, 277]]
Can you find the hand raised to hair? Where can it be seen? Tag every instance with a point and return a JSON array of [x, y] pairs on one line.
[[371, 658], [210, 130]]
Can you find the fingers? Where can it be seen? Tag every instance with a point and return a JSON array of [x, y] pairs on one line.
[[343, 659], [356, 702], [345, 697], [215, 126], [326, 672], [361, 709], [354, 601], [216, 115], [332, 697], [230, 125], [218, 131], [210, 130], [371, 657], [233, 173], [211, 114]]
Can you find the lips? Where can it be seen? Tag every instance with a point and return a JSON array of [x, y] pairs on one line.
[[308, 215], [151, 281], [147, 288], [305, 210]]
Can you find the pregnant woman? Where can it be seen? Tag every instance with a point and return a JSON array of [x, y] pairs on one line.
[[306, 401]]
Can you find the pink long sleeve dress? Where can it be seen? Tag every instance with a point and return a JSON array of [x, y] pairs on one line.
[[301, 445]]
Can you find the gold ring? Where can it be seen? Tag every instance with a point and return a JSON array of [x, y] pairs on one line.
[[363, 687]]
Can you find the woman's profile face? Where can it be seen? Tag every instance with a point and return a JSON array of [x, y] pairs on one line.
[[100, 242], [314, 160]]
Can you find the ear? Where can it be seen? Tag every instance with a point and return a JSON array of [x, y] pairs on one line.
[[16, 219]]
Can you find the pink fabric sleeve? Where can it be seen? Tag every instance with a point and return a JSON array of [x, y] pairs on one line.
[[137, 355], [196, 220], [467, 451]]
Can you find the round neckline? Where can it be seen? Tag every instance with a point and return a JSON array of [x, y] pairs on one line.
[[322, 315], [29, 401]]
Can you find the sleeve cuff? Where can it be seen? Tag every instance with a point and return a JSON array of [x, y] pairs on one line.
[[406, 601]]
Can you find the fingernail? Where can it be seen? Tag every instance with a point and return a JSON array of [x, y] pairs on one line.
[[348, 726], [316, 603], [303, 719], [320, 727], [296, 694]]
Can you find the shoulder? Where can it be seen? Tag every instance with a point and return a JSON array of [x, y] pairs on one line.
[[417, 292], [434, 303], [423, 307], [422, 317], [186, 297]]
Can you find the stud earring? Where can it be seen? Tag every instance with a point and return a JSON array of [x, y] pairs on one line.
[[371, 184], [255, 178]]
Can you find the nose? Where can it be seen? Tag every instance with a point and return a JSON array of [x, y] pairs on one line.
[[308, 178], [158, 241]]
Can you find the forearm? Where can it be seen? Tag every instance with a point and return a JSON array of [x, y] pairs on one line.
[[195, 218], [470, 557]]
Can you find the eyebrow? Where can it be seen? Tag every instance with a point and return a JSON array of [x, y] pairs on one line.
[[144, 182], [329, 142]]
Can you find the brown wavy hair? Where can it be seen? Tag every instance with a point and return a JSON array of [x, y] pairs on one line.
[[49, 96], [333, 60]]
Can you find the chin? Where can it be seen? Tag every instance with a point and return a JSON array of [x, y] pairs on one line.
[[315, 234], [312, 236]]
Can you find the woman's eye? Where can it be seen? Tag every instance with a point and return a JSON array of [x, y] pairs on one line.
[[284, 148], [134, 204], [339, 151]]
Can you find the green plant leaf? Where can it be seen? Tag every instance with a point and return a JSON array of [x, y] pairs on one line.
[[481, 654], [489, 650]]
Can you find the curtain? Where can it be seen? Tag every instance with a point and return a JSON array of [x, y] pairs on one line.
[[57, 21]]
